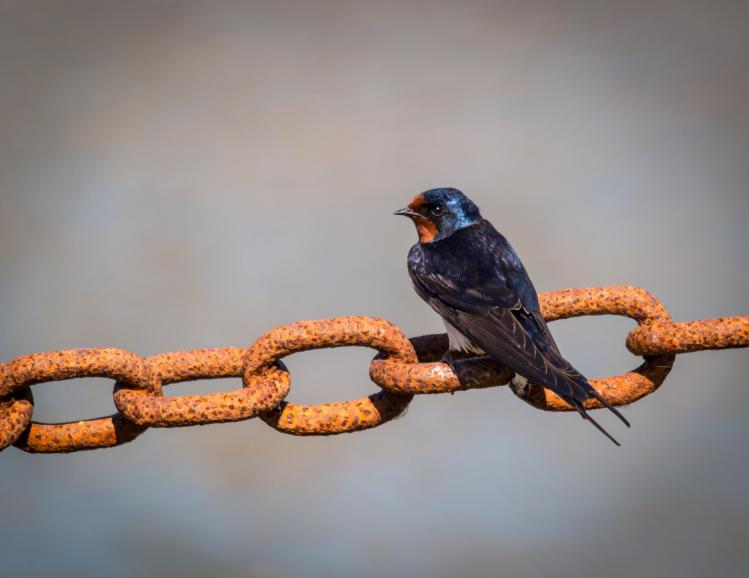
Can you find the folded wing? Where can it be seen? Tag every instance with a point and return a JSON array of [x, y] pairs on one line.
[[493, 316]]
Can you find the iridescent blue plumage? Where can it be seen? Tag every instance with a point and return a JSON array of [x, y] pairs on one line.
[[460, 211]]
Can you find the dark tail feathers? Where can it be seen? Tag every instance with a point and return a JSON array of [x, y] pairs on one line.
[[578, 405]]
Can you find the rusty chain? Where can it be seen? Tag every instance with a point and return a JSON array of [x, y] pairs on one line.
[[401, 369]]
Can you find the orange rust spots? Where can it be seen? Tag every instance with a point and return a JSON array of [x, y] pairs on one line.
[[688, 336], [91, 434], [262, 391], [15, 417]]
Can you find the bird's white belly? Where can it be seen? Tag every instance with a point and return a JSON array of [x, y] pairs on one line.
[[459, 342]]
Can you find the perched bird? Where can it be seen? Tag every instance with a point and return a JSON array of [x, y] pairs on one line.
[[469, 274]]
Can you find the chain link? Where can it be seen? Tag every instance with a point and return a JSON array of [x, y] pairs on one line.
[[402, 369]]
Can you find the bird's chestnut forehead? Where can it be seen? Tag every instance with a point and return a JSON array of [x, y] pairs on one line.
[[426, 229], [418, 202]]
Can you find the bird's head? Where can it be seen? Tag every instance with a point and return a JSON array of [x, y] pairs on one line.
[[438, 213]]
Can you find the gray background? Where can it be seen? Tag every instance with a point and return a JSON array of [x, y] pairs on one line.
[[190, 174]]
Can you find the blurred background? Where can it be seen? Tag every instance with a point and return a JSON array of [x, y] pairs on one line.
[[191, 174]]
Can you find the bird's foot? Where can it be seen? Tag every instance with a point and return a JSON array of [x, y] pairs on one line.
[[455, 359], [452, 362]]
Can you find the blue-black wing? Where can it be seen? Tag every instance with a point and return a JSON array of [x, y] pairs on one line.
[[476, 282]]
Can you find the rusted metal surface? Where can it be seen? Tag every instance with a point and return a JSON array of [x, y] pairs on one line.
[[196, 364], [340, 417], [613, 300], [261, 391], [402, 369], [91, 434], [326, 333], [15, 417], [688, 336], [36, 368]]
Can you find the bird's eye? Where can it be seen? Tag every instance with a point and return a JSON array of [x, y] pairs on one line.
[[438, 210]]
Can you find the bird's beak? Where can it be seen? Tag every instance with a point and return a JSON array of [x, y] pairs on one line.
[[407, 213]]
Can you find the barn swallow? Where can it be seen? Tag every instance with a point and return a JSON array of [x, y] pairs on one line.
[[470, 274]]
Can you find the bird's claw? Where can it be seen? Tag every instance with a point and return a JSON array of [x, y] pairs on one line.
[[448, 359]]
